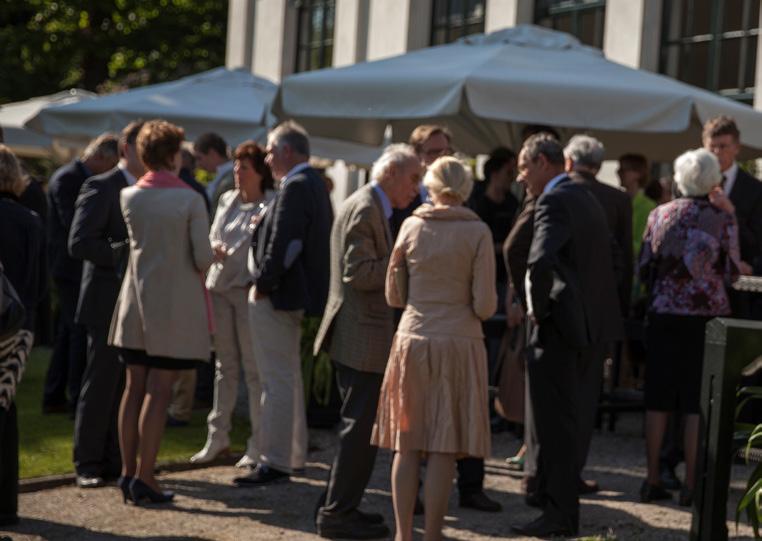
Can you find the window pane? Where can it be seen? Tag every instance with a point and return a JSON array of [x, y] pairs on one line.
[[751, 62], [452, 19], [732, 15], [730, 53], [699, 18], [694, 64], [315, 34]]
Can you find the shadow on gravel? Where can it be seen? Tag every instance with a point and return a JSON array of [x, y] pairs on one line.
[[56, 530]]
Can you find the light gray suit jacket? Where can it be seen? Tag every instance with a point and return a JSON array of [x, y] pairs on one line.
[[162, 306], [357, 322]]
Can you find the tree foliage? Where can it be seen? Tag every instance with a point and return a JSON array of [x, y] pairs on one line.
[[51, 45]]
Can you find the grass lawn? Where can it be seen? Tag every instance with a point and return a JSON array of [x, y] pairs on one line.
[[46, 440]]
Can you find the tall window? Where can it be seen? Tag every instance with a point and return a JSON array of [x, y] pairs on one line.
[[712, 44], [453, 19], [315, 34], [581, 18]]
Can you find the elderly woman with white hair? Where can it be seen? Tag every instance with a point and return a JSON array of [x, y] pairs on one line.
[[688, 257], [434, 395]]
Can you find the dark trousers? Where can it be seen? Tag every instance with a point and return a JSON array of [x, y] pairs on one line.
[[552, 369], [353, 464], [9, 462], [590, 378], [68, 361], [96, 436], [470, 475]]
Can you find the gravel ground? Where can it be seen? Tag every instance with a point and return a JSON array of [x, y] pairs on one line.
[[208, 507]]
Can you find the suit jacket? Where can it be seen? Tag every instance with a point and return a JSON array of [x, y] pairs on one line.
[[516, 248], [357, 322], [291, 245], [98, 237], [63, 190], [571, 282], [746, 195], [617, 206], [162, 307]]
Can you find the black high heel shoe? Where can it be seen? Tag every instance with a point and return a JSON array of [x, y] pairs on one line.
[[124, 484], [140, 493]]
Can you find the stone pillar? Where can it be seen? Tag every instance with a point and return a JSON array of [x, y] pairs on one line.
[[240, 35], [275, 29], [350, 35], [632, 33], [758, 81], [501, 14], [397, 26]]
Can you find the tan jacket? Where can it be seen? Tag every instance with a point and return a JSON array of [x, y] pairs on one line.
[[357, 322], [446, 257], [162, 307]]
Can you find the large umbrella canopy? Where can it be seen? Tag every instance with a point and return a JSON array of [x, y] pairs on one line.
[[26, 142], [233, 103], [485, 88]]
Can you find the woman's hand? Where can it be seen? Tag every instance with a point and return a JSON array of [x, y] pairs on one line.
[[718, 198], [744, 268], [514, 315], [220, 251]]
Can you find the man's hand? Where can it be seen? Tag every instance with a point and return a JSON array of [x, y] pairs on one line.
[[514, 315], [220, 251], [718, 198], [258, 295]]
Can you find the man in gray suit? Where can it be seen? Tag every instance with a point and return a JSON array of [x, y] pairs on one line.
[[357, 329]]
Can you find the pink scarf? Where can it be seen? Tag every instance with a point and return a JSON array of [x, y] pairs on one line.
[[165, 179]]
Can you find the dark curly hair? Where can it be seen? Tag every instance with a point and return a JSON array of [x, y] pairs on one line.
[[249, 150]]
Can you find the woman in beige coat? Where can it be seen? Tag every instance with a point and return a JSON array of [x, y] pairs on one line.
[[162, 320], [434, 396]]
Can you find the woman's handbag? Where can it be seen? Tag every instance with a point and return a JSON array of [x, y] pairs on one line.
[[12, 312]]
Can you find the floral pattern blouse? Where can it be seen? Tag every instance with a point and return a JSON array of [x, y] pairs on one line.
[[689, 256]]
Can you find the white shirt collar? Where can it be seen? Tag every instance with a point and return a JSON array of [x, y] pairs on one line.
[[553, 182], [294, 170], [129, 177], [730, 175], [385, 203]]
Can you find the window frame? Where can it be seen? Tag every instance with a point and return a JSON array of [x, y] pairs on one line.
[[575, 8], [306, 47], [449, 28]]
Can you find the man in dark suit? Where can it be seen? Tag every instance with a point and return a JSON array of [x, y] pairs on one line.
[[357, 331], [99, 238], [572, 305], [290, 264], [583, 158], [68, 360], [722, 138]]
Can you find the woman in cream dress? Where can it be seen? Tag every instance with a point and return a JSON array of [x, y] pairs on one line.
[[433, 401]]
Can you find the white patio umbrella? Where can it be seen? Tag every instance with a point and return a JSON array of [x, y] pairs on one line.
[[485, 88], [233, 103], [26, 142]]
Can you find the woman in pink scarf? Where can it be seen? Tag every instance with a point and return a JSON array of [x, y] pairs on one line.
[[161, 322]]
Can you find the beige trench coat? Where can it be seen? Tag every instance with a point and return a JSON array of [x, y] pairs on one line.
[[162, 307]]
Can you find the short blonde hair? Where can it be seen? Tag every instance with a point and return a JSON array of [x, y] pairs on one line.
[[447, 176], [11, 179], [697, 172]]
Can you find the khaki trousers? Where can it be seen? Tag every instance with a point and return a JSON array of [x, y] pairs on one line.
[[234, 351], [275, 336]]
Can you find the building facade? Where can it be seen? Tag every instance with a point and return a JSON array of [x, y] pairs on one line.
[[712, 44]]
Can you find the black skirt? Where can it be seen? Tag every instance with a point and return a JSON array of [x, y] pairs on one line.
[[674, 362], [140, 357]]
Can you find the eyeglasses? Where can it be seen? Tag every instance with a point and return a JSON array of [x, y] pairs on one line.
[[438, 152]]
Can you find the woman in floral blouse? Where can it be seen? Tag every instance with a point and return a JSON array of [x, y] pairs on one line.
[[688, 258]]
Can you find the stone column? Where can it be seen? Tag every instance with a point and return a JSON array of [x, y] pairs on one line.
[[275, 29], [758, 81], [350, 35], [632, 33], [240, 35], [397, 26], [501, 14]]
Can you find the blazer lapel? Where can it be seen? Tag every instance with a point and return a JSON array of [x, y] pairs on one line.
[[387, 228]]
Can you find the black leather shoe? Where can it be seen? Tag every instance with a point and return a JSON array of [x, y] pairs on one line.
[[90, 481], [370, 518], [262, 475], [9, 520], [141, 493], [353, 526], [668, 479], [481, 502], [124, 485], [543, 527], [588, 487], [686, 497], [650, 493]]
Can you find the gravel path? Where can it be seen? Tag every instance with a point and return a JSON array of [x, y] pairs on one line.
[[208, 507]]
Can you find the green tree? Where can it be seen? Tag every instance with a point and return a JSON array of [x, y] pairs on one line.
[[100, 46]]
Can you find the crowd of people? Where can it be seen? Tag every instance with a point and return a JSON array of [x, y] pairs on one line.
[[156, 274]]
